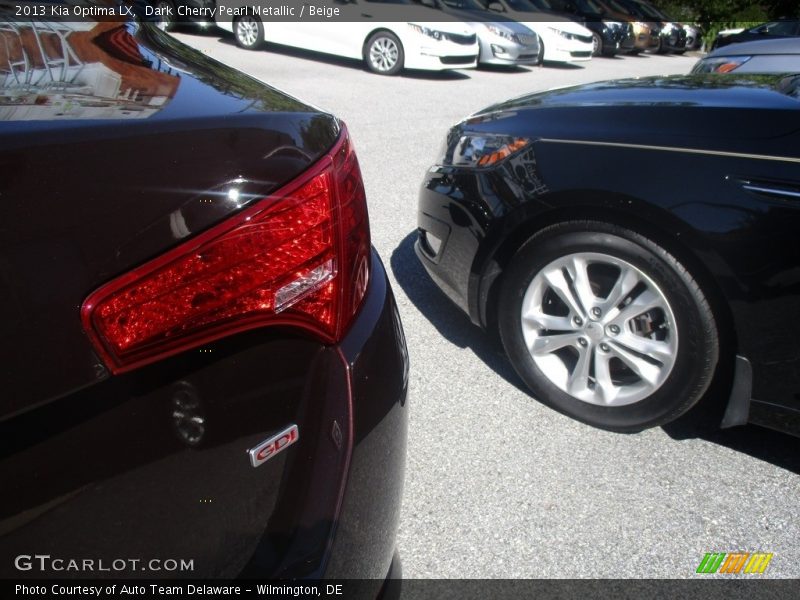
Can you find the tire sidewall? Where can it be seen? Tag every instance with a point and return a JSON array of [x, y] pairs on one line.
[[689, 376], [597, 44]]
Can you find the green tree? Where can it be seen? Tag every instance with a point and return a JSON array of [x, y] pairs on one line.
[[715, 15]]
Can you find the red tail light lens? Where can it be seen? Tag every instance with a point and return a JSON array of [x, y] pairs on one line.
[[299, 257]]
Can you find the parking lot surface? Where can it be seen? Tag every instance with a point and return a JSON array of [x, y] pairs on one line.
[[497, 484]]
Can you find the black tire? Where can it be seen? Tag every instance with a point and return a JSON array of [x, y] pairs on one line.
[[383, 53], [597, 44], [165, 8], [696, 351], [248, 31]]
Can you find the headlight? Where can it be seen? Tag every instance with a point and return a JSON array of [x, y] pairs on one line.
[[431, 33], [562, 33], [506, 35], [723, 64], [479, 150]]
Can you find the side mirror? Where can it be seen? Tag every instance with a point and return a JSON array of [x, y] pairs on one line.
[[496, 7]]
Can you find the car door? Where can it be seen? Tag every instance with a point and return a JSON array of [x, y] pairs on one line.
[[768, 264]]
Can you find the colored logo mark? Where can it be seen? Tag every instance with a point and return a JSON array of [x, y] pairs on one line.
[[734, 562]]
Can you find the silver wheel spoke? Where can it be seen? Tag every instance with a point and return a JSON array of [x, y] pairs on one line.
[[578, 382], [602, 375], [540, 320], [546, 344], [577, 269], [655, 349]]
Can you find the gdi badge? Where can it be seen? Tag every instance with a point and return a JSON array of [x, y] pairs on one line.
[[272, 446]]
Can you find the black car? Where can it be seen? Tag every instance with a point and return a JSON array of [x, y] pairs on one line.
[[203, 371], [782, 28], [763, 56], [609, 35], [670, 35], [632, 242]]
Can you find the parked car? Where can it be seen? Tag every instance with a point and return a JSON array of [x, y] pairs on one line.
[[694, 36], [505, 42], [669, 35], [204, 372], [609, 36], [619, 297], [643, 36], [782, 28], [415, 39], [560, 39], [765, 56]]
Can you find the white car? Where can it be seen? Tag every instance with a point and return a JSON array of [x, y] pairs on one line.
[[385, 47], [560, 39]]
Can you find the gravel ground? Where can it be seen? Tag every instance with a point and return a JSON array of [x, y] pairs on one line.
[[498, 485]]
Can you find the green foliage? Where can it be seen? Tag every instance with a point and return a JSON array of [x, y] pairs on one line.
[[716, 15]]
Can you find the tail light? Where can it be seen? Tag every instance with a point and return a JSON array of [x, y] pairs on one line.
[[299, 257]]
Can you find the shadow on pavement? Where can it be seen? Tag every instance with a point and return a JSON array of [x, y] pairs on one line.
[[445, 316], [779, 449], [340, 61], [564, 66]]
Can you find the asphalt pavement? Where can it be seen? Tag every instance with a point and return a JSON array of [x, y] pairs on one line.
[[498, 485]]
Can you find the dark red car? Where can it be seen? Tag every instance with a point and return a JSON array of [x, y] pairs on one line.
[[203, 371]]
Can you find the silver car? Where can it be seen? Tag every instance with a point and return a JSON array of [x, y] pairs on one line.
[[502, 42]]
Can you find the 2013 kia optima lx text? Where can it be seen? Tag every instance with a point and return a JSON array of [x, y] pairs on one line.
[[203, 359]]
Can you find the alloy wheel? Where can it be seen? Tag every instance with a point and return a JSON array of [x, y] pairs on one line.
[[383, 54], [599, 329], [247, 31]]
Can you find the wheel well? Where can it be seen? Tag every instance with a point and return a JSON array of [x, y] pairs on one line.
[[495, 265]]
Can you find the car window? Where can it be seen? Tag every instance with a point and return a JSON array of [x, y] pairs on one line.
[[776, 28], [790, 86]]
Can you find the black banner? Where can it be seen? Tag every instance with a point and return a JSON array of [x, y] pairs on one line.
[[733, 588]]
